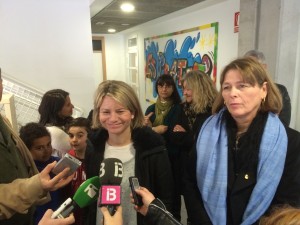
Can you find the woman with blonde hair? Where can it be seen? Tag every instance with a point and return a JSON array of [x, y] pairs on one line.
[[120, 134], [285, 215], [199, 93]]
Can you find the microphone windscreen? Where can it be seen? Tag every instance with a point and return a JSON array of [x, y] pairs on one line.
[[111, 171], [87, 192]]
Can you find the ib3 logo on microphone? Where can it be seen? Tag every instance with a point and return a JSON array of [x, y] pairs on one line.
[[110, 195]]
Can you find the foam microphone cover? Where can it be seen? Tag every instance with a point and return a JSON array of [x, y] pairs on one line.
[[111, 171], [87, 192]]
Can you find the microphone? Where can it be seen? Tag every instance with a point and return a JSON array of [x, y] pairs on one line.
[[86, 194], [111, 174]]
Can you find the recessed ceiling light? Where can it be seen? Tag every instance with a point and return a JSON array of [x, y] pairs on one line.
[[125, 24], [100, 23], [111, 30], [127, 7]]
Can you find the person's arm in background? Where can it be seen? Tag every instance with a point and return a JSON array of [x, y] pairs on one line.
[[59, 140], [171, 120], [149, 119], [182, 135], [47, 220], [149, 115], [21, 194]]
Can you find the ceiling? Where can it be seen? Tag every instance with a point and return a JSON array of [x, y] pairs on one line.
[[107, 14]]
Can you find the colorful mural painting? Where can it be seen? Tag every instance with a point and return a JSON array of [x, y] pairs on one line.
[[179, 52]]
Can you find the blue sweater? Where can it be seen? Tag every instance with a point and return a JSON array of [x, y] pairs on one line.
[[56, 199]]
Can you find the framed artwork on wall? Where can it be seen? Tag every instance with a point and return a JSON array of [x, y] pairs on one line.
[[179, 52]]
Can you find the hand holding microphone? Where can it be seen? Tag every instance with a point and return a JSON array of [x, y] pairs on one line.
[[86, 194], [146, 196], [111, 174], [116, 219], [60, 180], [47, 220]]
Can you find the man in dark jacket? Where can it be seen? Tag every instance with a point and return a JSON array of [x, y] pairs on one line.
[[285, 114]]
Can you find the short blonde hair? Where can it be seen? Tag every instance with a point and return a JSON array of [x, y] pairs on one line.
[[255, 74], [122, 93], [286, 215]]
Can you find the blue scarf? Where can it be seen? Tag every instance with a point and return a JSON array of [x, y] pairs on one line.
[[212, 168]]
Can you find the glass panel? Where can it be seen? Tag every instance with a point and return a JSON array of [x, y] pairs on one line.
[[133, 76], [132, 61], [131, 42], [135, 90]]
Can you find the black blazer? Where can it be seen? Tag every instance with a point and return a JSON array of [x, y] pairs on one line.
[[285, 114], [286, 193]]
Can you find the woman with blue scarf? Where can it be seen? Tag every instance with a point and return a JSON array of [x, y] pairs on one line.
[[247, 160]]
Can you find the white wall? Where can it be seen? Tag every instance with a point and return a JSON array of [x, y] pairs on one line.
[[114, 56], [221, 11], [47, 44], [97, 67], [269, 19], [272, 26], [288, 58]]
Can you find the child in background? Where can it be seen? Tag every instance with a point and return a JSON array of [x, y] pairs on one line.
[[78, 130], [38, 140]]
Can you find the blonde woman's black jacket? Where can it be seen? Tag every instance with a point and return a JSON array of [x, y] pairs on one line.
[[152, 166]]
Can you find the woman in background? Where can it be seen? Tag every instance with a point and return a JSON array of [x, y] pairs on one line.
[[55, 112], [199, 93], [120, 134], [162, 117]]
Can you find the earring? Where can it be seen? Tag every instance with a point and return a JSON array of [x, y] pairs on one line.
[[263, 100], [132, 116]]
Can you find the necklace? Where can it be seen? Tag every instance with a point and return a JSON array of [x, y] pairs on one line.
[[237, 139]]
